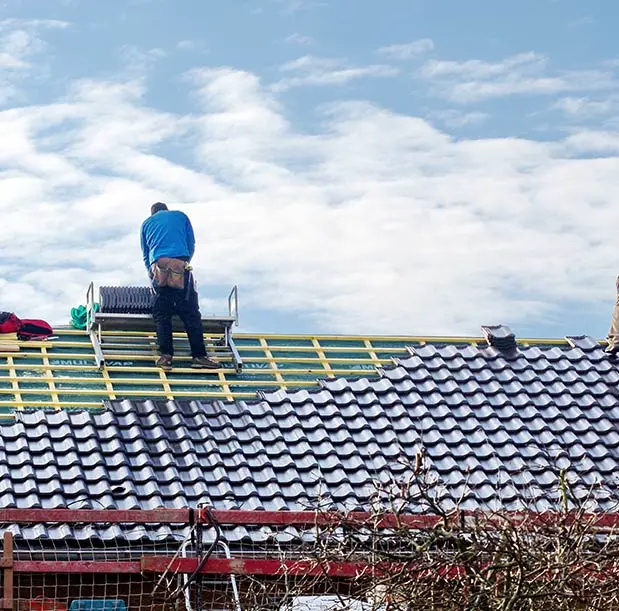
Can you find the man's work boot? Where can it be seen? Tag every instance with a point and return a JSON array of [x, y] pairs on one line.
[[203, 362], [612, 347], [165, 362]]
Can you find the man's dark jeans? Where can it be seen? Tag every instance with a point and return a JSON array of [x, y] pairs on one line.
[[183, 302]]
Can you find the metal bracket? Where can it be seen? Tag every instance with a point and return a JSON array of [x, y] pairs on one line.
[[233, 311], [90, 306], [8, 597], [236, 357], [95, 335], [96, 345], [233, 304]]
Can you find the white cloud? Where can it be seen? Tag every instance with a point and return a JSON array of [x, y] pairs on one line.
[[310, 70], [20, 42], [297, 6], [191, 45], [15, 47], [47, 24], [377, 222], [298, 39], [582, 22], [521, 74], [457, 118], [583, 107], [477, 69], [587, 141], [408, 50], [139, 60]]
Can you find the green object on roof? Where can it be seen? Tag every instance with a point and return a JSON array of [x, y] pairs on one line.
[[79, 316]]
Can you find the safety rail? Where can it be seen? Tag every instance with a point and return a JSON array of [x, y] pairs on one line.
[[63, 567], [266, 564], [233, 304], [139, 560]]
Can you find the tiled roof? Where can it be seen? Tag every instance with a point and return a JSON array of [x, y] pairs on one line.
[[497, 424]]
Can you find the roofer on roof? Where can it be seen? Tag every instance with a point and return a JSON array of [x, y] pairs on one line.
[[168, 245], [613, 333]]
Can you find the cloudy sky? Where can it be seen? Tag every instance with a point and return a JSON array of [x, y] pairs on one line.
[[355, 166]]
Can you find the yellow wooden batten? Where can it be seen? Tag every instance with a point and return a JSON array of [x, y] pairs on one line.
[[61, 373], [412, 339]]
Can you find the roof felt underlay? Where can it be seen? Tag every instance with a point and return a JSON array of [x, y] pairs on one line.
[[62, 372], [495, 428]]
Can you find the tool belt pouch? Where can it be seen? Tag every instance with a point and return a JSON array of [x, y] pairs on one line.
[[168, 272]]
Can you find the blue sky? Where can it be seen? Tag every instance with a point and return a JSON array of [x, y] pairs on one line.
[[402, 167]]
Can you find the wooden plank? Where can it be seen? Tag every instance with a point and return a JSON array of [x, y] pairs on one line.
[[49, 375], [186, 370], [253, 566], [311, 518], [110, 516], [108, 383], [163, 380], [77, 566], [213, 566], [60, 405], [368, 346], [322, 357], [14, 382], [157, 381], [273, 363], [89, 392], [551, 341]]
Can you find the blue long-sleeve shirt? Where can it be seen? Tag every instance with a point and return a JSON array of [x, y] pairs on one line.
[[167, 233]]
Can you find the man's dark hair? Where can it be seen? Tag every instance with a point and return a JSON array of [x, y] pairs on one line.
[[157, 207]]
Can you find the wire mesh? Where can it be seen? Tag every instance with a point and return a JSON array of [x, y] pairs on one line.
[[207, 560], [87, 574], [133, 567]]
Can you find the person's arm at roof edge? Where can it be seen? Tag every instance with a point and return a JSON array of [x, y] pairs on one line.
[[191, 238]]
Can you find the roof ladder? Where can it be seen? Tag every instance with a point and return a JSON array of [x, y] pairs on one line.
[[128, 309]]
